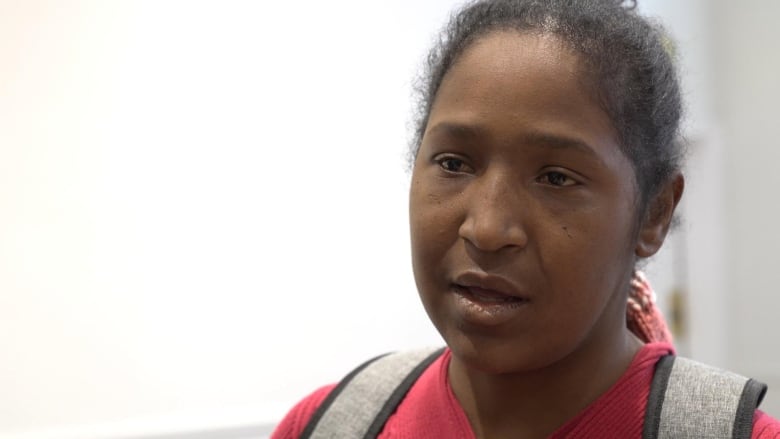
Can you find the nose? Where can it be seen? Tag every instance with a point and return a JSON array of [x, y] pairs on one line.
[[496, 211]]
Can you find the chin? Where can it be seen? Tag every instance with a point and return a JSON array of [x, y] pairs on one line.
[[498, 357]]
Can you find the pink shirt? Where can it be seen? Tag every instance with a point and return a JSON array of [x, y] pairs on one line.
[[430, 409]]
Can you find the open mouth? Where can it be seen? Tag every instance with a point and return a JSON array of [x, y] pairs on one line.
[[488, 297]]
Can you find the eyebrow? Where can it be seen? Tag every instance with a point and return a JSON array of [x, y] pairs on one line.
[[459, 130], [535, 138], [556, 141]]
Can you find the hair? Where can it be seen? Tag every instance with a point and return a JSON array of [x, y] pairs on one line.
[[628, 65]]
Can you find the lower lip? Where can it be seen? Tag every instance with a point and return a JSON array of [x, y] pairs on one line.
[[486, 313]]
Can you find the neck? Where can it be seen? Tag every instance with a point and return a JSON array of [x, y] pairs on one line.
[[535, 403]]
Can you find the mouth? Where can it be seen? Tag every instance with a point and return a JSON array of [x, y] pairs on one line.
[[487, 297], [485, 300], [489, 288]]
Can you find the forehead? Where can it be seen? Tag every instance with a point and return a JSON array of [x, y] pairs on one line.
[[510, 83]]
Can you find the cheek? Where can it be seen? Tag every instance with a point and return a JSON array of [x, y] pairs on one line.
[[428, 229], [591, 238], [592, 258], [607, 224], [434, 226]]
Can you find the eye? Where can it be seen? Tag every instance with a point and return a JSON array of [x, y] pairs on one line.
[[453, 164], [559, 179]]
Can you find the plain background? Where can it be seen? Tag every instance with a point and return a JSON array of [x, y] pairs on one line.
[[203, 204]]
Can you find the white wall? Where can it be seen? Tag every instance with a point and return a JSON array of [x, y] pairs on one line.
[[730, 63], [180, 249], [746, 68], [692, 261], [202, 207]]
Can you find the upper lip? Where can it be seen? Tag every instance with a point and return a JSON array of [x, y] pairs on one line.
[[488, 281]]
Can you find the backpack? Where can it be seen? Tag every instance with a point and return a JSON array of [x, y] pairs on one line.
[[687, 399]]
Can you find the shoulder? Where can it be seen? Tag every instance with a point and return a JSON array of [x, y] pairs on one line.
[[364, 395], [296, 419], [765, 426], [689, 398]]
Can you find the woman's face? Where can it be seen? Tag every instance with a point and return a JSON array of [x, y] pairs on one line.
[[523, 208]]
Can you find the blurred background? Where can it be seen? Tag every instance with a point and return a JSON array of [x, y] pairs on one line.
[[203, 205]]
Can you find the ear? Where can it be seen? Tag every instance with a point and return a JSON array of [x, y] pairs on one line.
[[658, 217]]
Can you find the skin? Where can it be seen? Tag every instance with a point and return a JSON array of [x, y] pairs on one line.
[[520, 180]]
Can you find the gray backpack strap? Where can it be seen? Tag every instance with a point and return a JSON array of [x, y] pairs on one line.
[[361, 403], [692, 400]]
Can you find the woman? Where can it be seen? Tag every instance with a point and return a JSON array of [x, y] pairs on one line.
[[547, 165]]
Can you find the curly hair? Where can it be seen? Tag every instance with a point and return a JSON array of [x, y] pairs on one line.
[[628, 65]]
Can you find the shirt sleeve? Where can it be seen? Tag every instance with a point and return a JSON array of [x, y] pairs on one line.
[[296, 419], [765, 426]]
